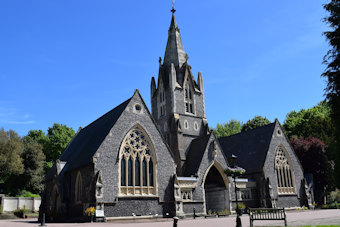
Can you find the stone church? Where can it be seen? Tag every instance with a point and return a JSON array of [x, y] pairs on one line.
[[167, 162]]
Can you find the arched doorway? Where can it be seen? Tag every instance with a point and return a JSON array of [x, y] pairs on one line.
[[216, 192]]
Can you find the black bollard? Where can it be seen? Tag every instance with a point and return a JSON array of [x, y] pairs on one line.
[[175, 221], [194, 213], [43, 220], [238, 219]]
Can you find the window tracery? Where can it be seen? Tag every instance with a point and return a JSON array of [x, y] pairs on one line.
[[186, 195], [284, 173], [137, 164]]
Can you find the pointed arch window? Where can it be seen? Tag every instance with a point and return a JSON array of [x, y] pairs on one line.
[[161, 101], [188, 98], [78, 188], [284, 172], [137, 164]]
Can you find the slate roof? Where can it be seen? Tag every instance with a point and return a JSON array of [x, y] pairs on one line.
[[174, 52], [84, 145], [195, 155], [250, 147]]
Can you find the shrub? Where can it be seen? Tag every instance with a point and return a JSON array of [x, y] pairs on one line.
[[223, 212], [25, 193], [241, 206], [333, 200], [334, 196], [19, 213]]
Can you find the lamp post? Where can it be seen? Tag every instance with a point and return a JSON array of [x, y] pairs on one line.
[[234, 175]]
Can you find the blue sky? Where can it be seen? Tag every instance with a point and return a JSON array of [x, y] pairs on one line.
[[72, 61]]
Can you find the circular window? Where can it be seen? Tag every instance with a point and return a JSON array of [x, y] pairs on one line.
[[138, 107], [279, 132]]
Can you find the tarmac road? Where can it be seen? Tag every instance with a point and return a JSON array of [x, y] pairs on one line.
[[294, 218]]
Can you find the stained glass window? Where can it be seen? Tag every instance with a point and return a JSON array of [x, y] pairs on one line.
[[137, 164], [284, 174]]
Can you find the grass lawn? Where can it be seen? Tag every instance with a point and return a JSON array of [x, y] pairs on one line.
[[314, 226]]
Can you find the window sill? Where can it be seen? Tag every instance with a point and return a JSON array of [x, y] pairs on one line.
[[287, 194], [137, 196], [192, 114]]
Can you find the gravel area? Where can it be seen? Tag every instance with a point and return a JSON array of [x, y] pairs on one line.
[[294, 218]]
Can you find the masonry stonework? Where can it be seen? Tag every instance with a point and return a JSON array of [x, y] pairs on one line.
[[188, 160]]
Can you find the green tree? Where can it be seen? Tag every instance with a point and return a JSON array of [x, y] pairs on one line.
[[33, 175], [229, 128], [53, 144], [32, 178], [11, 148], [257, 121], [314, 122], [332, 73], [59, 136], [36, 136], [39, 137]]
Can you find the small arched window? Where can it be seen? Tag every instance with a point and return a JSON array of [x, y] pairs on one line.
[[78, 188], [137, 164], [284, 172], [188, 98], [161, 101]]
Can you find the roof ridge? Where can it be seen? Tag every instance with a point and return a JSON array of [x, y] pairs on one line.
[[106, 114], [90, 138], [250, 130], [249, 145]]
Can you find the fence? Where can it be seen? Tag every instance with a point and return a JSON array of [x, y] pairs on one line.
[[15, 203]]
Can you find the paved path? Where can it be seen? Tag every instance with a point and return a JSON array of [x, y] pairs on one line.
[[294, 218]]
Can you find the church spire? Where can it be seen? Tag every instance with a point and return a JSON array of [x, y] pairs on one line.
[[173, 19], [174, 52], [173, 7]]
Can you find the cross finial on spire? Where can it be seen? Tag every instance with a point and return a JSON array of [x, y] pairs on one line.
[[173, 7]]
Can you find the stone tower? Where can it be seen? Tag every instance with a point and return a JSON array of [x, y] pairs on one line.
[[177, 101]]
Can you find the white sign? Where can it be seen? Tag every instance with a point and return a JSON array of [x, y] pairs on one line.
[[100, 213]]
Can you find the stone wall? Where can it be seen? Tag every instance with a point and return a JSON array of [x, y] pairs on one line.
[[15, 203], [107, 162], [279, 139], [188, 208], [139, 207]]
